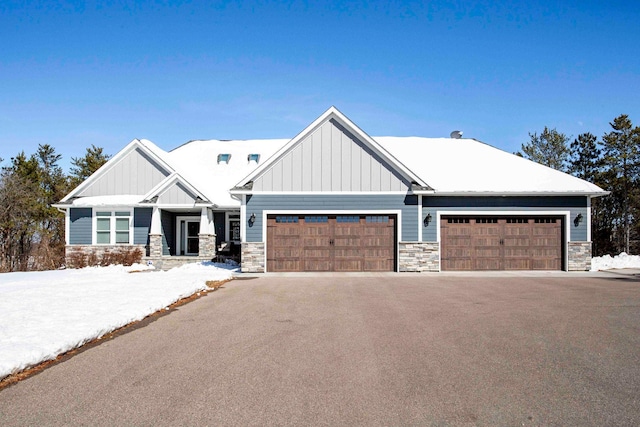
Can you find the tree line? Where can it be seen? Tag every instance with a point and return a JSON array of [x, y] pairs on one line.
[[31, 229], [611, 162]]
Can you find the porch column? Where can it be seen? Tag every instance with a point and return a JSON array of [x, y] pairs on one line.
[[207, 235], [155, 234]]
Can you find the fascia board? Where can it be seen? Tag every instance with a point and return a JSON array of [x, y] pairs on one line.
[[334, 113], [168, 182], [114, 161], [509, 194], [376, 147]]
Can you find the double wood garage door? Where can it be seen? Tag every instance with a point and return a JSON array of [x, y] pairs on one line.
[[331, 243], [512, 243]]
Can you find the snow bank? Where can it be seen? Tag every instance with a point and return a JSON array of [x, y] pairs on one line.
[[44, 314], [607, 262]]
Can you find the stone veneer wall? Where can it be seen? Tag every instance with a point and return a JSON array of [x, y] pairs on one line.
[[579, 256], [419, 256], [155, 245], [206, 245], [253, 257], [97, 250]]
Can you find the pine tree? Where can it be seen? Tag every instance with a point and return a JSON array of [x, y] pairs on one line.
[[622, 163], [83, 167], [549, 149]]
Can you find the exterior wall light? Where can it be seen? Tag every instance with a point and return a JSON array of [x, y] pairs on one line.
[[427, 220], [577, 220], [252, 219]]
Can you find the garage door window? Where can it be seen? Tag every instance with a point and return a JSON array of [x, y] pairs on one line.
[[377, 218], [316, 219], [286, 219]]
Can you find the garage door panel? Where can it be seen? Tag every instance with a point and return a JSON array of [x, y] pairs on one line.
[[494, 243], [332, 243]]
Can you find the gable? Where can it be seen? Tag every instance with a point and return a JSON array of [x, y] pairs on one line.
[[177, 194], [134, 173], [330, 158]]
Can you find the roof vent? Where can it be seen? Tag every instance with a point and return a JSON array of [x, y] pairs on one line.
[[224, 158], [456, 134]]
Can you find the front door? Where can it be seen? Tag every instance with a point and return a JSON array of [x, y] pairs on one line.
[[188, 239]]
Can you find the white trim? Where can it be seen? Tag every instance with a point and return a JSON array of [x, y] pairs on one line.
[[112, 225], [180, 239], [565, 214], [67, 226], [320, 193], [164, 186], [437, 193], [334, 113], [396, 212], [419, 217], [243, 219], [112, 162], [588, 219]]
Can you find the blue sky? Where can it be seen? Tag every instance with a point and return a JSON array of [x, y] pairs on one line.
[[75, 74]]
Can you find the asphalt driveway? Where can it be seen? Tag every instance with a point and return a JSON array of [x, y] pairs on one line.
[[375, 350]]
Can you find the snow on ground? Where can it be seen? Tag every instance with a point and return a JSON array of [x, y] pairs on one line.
[[607, 262], [44, 314]]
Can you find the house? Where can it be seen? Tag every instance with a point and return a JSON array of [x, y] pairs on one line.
[[335, 199]]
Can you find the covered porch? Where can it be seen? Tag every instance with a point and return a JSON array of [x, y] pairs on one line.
[[180, 235]]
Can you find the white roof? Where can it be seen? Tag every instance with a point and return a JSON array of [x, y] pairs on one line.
[[197, 162], [449, 166], [468, 166]]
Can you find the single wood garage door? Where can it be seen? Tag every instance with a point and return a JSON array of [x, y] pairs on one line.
[[331, 243], [501, 243]]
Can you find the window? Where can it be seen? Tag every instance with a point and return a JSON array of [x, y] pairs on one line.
[[225, 157], [286, 219], [347, 218], [233, 227], [113, 227], [316, 219], [377, 218], [253, 158]]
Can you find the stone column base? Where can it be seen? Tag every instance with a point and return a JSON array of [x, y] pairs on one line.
[[579, 256], [207, 245], [155, 245], [419, 256], [253, 257]]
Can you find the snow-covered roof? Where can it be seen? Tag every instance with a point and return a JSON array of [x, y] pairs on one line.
[[447, 166], [468, 166], [197, 162], [119, 200]]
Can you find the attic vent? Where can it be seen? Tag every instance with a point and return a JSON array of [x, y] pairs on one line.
[[224, 158], [456, 134], [253, 158]]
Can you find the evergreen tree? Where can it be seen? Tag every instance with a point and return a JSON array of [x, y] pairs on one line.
[[549, 149], [586, 163], [83, 167], [622, 163]]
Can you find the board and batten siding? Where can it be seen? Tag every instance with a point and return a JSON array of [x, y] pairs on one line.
[[575, 205], [177, 194], [330, 159], [135, 173], [334, 204], [80, 226], [141, 225]]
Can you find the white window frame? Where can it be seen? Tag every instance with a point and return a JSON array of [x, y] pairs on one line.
[[112, 226], [227, 225]]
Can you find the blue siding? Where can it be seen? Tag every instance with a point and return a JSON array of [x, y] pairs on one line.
[[168, 222], [575, 205], [407, 204], [80, 226], [141, 225], [219, 225]]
